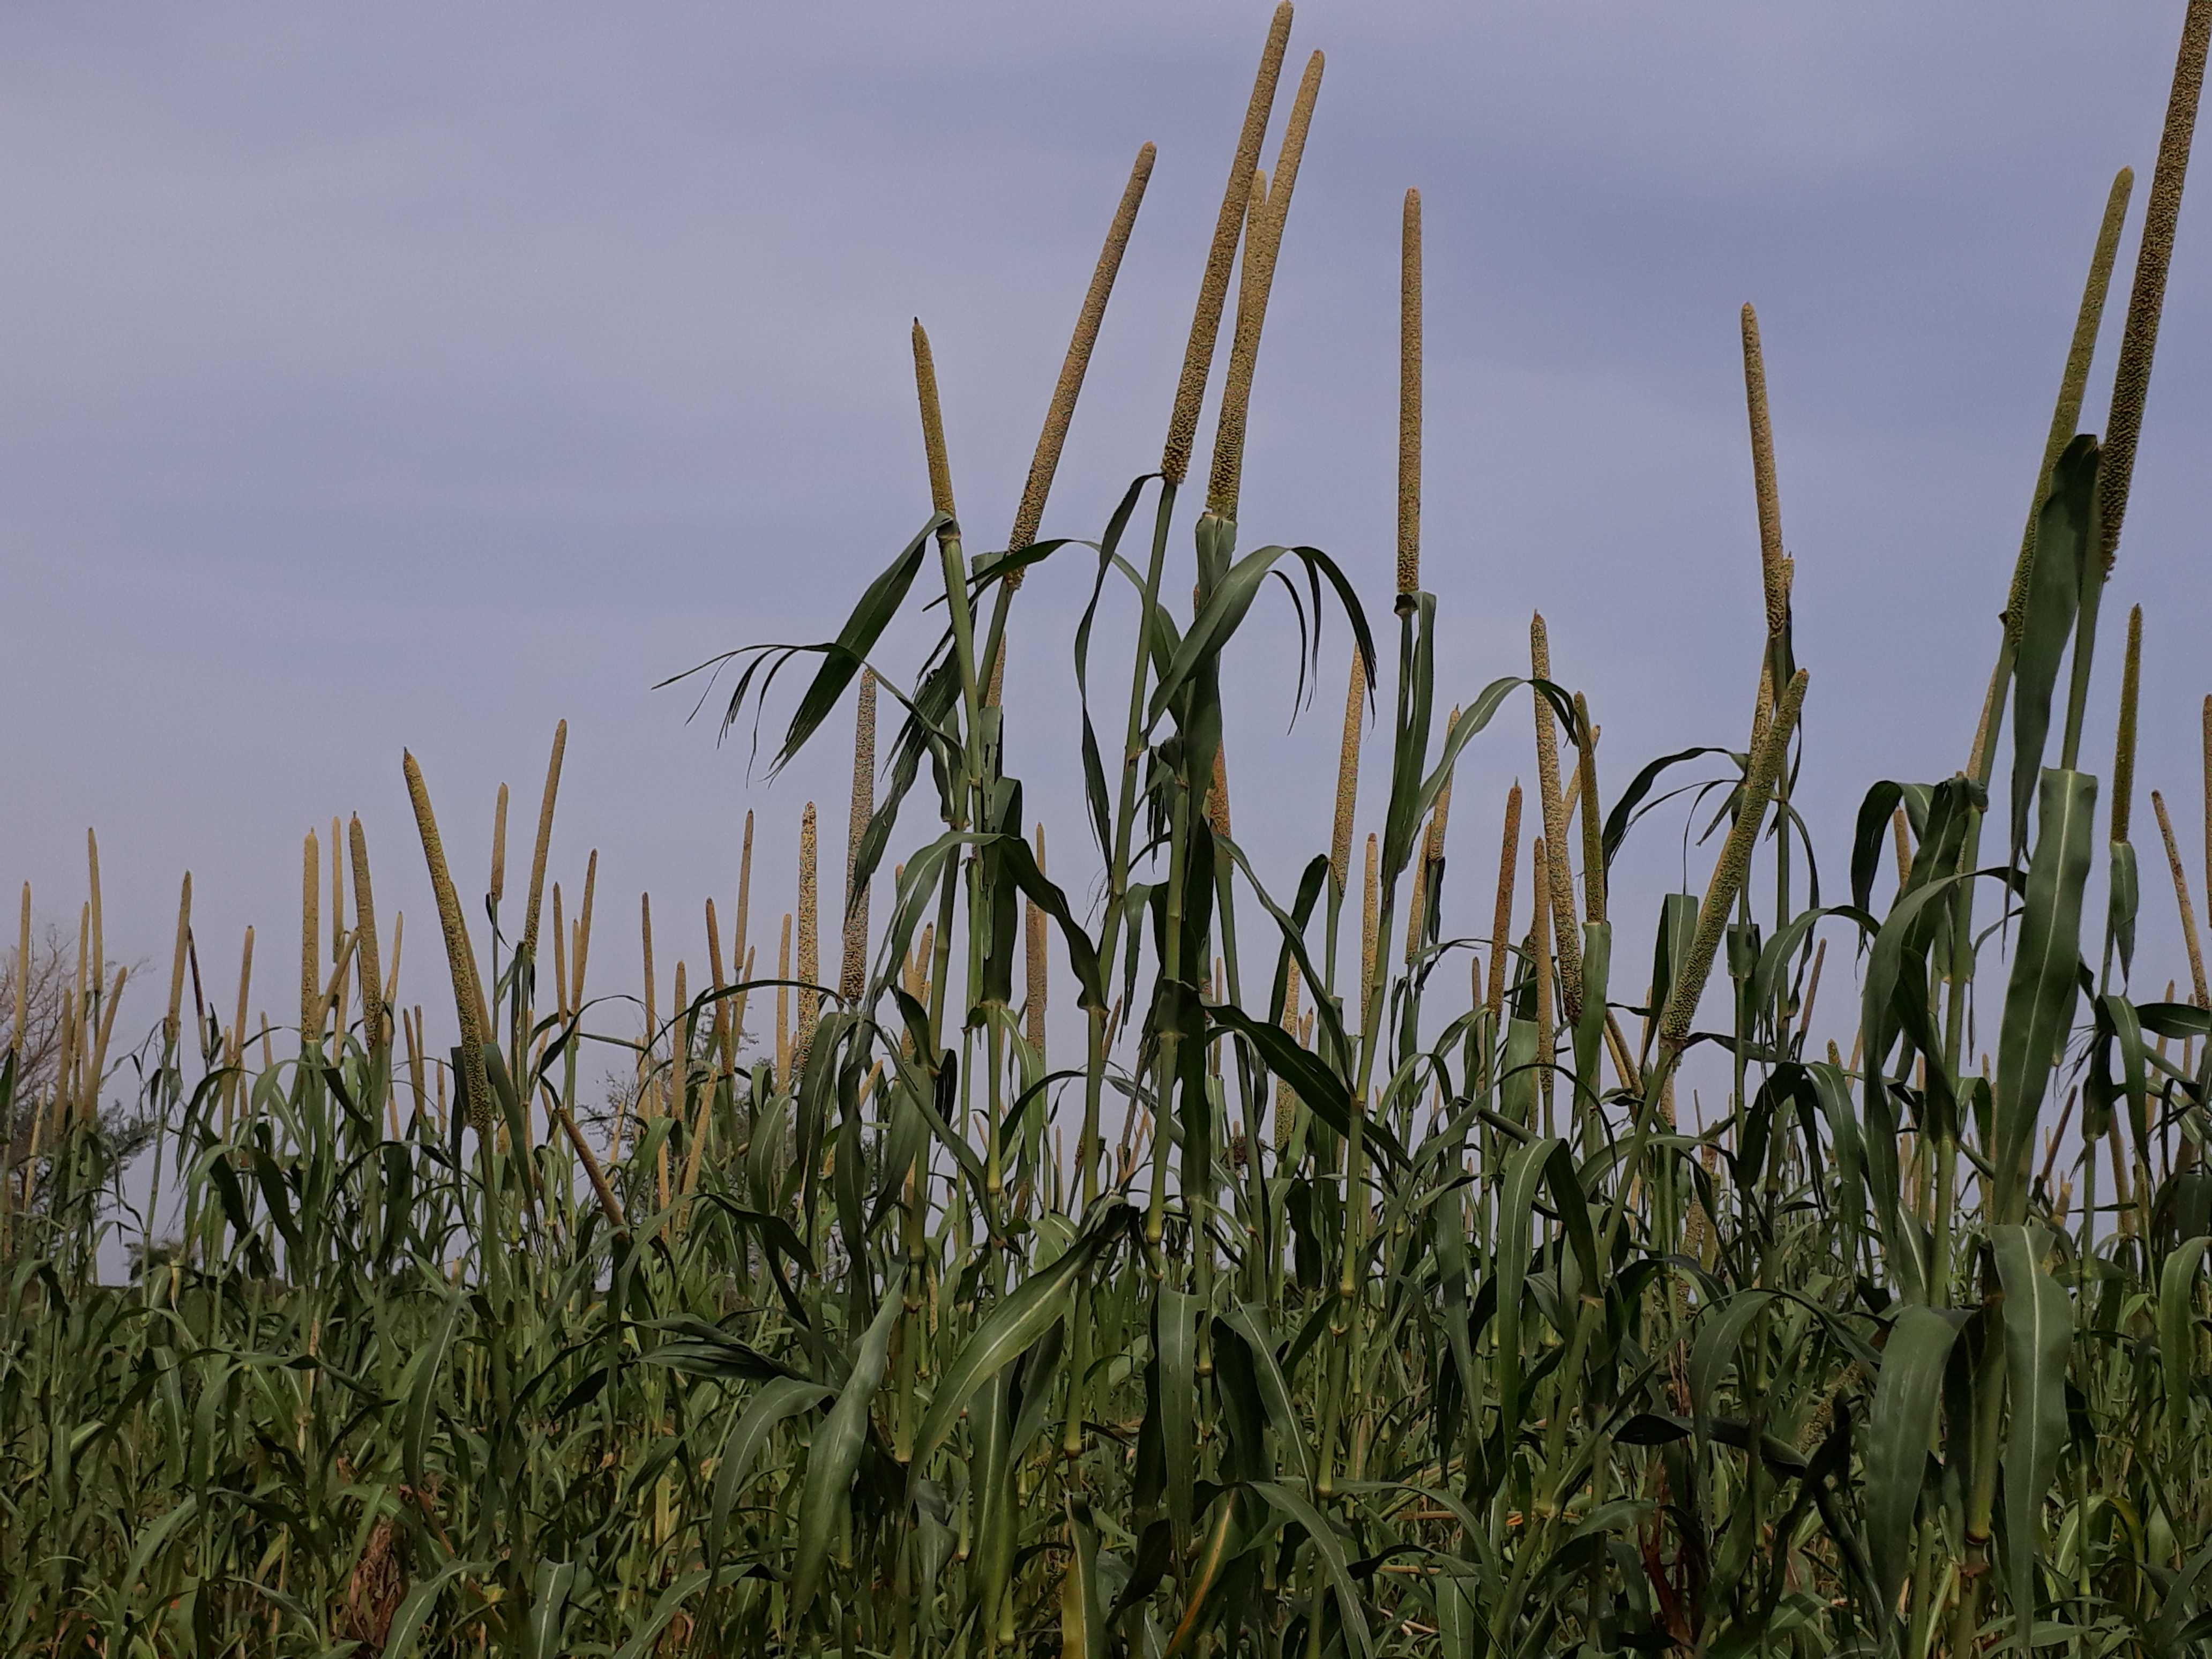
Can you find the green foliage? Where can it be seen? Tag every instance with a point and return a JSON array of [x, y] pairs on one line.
[[1399, 1334]]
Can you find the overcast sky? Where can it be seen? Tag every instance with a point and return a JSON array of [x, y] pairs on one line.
[[418, 375]]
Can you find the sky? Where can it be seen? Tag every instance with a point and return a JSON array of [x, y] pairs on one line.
[[417, 375]]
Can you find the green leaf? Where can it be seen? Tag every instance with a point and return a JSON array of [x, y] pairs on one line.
[[1082, 1604], [775, 1403], [1898, 1430], [2038, 1335], [407, 1623], [422, 1396], [1024, 1316], [2176, 1314], [2054, 592], [1330, 1549], [2045, 980], [835, 1453]]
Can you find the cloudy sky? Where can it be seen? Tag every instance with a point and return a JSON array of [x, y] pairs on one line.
[[418, 375]]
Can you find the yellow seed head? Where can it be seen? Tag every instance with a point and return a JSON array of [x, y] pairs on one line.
[[1409, 396], [853, 971], [1213, 287], [1062, 410], [810, 956], [311, 938], [364, 910], [1773, 564], [460, 955], [498, 888], [1560, 881], [1501, 930], [2153, 255], [1348, 773], [1268, 211], [932, 423]]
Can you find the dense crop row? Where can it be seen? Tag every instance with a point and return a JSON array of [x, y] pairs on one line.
[[1315, 1297]]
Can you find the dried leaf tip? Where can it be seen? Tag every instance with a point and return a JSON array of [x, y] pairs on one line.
[[1409, 400], [544, 845], [1213, 286], [2124, 755]]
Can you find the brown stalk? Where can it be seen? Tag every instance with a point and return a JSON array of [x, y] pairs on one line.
[[2188, 940], [1213, 286]]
